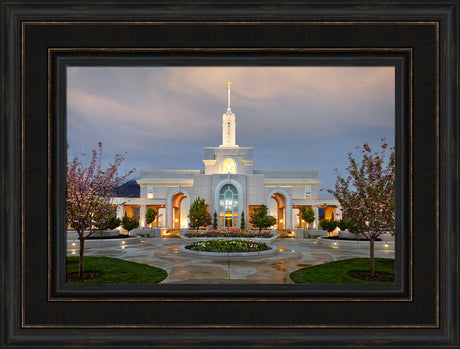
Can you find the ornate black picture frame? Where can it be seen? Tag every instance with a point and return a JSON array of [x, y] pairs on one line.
[[40, 39]]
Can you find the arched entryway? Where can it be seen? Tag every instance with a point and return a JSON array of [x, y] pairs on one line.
[[228, 207], [278, 209], [280, 205], [180, 204]]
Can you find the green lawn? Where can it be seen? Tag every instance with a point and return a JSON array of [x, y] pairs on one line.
[[337, 272], [117, 271]]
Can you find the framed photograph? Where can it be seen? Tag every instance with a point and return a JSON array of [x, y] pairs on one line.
[[324, 74], [259, 159]]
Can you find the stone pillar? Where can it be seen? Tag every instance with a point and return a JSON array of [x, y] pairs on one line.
[[161, 217], [142, 212], [120, 211], [316, 221], [120, 215], [338, 214], [295, 218]]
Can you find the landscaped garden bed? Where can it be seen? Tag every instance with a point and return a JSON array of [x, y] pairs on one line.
[[347, 271], [235, 248], [234, 233], [227, 246], [263, 236]]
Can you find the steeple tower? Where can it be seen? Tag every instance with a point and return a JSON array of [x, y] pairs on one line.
[[229, 84], [228, 123]]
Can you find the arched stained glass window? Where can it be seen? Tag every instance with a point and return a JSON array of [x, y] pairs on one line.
[[228, 206], [229, 166]]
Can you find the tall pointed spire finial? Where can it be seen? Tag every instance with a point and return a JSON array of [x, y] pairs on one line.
[[228, 123], [229, 83]]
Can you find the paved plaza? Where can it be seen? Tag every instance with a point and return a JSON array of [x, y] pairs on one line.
[[293, 254]]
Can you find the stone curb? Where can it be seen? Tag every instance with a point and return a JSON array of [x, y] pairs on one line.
[[131, 240], [356, 244], [230, 255]]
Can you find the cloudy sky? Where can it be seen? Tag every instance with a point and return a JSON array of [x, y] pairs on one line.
[[299, 118]]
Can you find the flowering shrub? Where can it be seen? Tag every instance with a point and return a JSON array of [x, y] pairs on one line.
[[234, 233], [226, 246]]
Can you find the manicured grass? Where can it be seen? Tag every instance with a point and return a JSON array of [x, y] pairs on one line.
[[337, 272], [117, 271]]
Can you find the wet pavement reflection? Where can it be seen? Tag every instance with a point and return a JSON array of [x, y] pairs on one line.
[[275, 269]]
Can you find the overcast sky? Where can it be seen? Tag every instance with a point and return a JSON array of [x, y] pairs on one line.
[[296, 118]]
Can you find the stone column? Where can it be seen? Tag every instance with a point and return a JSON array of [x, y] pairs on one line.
[[142, 212], [338, 214], [295, 218], [316, 221], [161, 217], [120, 211]]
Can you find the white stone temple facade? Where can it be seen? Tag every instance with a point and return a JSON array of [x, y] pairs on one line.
[[231, 186]]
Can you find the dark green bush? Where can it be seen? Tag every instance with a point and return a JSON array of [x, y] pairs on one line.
[[129, 223], [328, 224]]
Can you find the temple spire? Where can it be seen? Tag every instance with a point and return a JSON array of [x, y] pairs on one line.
[[229, 110], [228, 123]]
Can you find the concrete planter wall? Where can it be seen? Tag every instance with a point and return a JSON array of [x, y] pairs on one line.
[[130, 240], [315, 233], [356, 244], [73, 235], [347, 235], [155, 232], [234, 256]]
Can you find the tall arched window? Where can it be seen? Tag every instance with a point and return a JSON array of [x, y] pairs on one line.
[[228, 207], [228, 166]]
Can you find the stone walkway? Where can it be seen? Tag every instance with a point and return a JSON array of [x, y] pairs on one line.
[[293, 254]]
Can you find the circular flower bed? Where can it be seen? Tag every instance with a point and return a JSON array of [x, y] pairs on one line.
[[227, 246], [234, 233]]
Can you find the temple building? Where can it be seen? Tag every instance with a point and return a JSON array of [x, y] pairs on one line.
[[231, 186]]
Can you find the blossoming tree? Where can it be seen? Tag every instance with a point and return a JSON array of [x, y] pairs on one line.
[[89, 200], [367, 193]]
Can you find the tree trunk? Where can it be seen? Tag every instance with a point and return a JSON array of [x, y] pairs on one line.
[[82, 255], [372, 272]]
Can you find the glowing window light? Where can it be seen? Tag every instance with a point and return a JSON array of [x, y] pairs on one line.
[[229, 166]]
